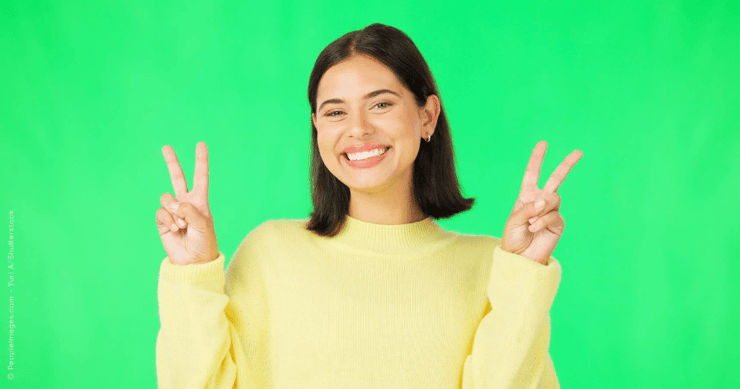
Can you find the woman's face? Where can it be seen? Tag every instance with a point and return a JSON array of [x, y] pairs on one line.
[[364, 110]]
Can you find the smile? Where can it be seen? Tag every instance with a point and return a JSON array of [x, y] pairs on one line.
[[365, 159], [363, 155]]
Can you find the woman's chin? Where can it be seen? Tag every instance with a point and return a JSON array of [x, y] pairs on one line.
[[366, 187], [366, 180]]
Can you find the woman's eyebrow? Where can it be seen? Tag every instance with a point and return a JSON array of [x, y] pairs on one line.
[[367, 96]]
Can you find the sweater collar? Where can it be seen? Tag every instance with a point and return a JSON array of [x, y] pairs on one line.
[[398, 239]]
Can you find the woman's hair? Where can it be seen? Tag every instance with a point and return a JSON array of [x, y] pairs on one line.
[[435, 185]]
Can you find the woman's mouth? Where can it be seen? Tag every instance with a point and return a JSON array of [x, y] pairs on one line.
[[364, 155], [365, 159]]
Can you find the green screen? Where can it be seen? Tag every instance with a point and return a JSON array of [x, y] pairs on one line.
[[90, 92]]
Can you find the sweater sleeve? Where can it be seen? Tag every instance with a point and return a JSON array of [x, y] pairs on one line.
[[510, 348], [197, 344]]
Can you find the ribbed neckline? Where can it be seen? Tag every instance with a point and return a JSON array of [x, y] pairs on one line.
[[400, 239]]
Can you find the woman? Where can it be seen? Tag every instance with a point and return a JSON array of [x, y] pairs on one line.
[[369, 292]]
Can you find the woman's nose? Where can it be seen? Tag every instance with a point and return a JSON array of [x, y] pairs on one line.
[[359, 125]]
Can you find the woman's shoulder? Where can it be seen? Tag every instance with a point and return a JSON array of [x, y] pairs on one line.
[[279, 228], [476, 240], [271, 235]]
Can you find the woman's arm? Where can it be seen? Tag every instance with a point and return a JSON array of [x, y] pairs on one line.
[[197, 345], [510, 349]]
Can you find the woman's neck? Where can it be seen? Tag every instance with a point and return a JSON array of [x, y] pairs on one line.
[[387, 207]]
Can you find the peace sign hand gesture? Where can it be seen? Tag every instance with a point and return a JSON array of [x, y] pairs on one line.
[[187, 231], [533, 232]]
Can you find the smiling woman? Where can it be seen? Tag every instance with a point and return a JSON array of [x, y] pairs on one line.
[[370, 292], [371, 89]]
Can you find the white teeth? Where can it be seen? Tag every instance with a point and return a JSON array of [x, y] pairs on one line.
[[366, 154]]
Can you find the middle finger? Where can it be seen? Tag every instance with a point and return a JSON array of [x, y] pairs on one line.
[[558, 176], [176, 175]]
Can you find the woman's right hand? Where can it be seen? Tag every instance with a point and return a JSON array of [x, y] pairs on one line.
[[193, 241]]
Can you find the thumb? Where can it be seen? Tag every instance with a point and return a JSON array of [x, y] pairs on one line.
[[526, 212], [190, 213]]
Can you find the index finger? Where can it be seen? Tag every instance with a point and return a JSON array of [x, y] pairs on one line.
[[173, 165], [558, 176], [201, 169], [532, 174]]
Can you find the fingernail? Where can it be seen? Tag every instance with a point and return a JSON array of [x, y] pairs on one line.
[[539, 204], [174, 206], [181, 223]]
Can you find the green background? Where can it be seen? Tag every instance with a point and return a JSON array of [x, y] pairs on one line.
[[90, 92]]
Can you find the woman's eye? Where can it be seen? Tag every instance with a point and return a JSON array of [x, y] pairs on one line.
[[337, 113]]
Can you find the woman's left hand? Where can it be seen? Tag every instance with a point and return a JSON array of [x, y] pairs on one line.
[[532, 232]]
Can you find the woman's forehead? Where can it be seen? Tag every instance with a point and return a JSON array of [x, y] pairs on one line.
[[357, 76]]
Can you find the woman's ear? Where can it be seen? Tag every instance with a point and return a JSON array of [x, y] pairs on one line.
[[313, 120], [430, 113]]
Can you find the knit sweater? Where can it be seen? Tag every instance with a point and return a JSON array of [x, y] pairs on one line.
[[376, 306]]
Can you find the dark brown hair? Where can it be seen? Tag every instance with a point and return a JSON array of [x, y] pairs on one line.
[[436, 189]]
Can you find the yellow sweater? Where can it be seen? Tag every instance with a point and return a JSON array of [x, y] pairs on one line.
[[377, 306]]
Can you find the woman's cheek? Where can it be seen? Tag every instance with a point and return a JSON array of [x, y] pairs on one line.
[[330, 131], [396, 122], [327, 140]]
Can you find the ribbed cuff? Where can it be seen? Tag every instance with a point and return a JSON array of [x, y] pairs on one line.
[[526, 278], [193, 273], [524, 261]]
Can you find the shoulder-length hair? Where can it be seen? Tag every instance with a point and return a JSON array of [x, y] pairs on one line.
[[436, 189]]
